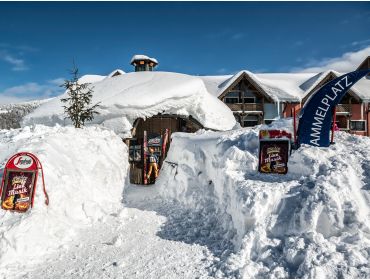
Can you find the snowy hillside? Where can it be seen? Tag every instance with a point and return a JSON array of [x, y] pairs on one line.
[[11, 114], [210, 214]]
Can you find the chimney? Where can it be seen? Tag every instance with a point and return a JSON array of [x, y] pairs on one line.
[[143, 63]]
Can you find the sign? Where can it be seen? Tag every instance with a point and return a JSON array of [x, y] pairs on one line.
[[274, 134], [274, 151], [316, 115], [19, 182], [154, 140], [18, 191]]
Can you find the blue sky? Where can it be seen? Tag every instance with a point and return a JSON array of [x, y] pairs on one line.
[[39, 40]]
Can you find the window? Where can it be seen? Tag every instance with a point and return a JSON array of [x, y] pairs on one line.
[[231, 100], [250, 120], [357, 125], [249, 100], [134, 151], [232, 97]]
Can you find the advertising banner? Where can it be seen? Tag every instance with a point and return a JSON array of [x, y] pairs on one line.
[[273, 156], [18, 191], [19, 182], [274, 150], [315, 119]]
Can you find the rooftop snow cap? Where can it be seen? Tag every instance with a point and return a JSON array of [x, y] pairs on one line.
[[141, 95], [143, 62]]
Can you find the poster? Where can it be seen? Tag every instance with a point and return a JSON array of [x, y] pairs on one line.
[[273, 156], [18, 190]]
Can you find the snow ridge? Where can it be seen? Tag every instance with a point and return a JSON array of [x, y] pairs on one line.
[[311, 223]]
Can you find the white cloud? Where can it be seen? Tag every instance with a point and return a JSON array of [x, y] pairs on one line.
[[17, 63], [31, 91], [346, 63]]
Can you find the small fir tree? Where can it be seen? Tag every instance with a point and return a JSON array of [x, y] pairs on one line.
[[78, 107]]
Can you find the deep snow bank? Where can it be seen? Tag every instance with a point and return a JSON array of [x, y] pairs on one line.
[[312, 222], [127, 97], [84, 174]]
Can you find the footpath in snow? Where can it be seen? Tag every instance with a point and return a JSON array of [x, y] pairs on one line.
[[145, 240], [210, 214]]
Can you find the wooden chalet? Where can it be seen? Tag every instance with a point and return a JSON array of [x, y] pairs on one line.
[[158, 131]]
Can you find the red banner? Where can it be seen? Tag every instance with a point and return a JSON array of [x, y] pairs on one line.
[[19, 182]]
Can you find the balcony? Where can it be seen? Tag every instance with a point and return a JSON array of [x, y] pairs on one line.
[[246, 107], [343, 108]]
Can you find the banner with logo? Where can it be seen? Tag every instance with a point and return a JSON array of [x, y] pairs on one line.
[[19, 182], [316, 116]]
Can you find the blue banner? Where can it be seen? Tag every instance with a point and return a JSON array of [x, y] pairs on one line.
[[316, 115]]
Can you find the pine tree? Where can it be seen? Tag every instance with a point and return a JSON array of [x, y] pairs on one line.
[[79, 98]]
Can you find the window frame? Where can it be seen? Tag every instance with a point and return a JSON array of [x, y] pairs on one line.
[[361, 130]]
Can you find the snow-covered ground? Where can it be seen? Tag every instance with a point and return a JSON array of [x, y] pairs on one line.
[[210, 214]]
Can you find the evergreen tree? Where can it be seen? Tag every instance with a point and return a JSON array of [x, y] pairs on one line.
[[78, 107]]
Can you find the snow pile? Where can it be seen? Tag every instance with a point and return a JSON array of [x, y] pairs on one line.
[[311, 223], [84, 170], [144, 94]]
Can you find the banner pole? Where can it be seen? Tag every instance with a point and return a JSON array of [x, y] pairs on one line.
[[332, 128], [295, 127]]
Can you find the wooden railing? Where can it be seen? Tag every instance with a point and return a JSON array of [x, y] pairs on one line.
[[343, 108], [247, 107]]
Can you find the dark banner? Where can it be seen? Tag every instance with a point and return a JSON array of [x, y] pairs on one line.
[[316, 115], [18, 190], [273, 156]]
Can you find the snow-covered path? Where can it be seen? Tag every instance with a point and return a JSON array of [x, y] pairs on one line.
[[147, 239]]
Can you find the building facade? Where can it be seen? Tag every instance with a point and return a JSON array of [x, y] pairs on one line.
[[261, 98]]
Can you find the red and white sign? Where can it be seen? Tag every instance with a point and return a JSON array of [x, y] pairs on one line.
[[19, 182]]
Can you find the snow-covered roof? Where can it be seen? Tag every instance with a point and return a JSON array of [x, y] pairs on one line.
[[362, 89], [288, 87], [144, 94], [116, 73], [91, 78], [143, 57], [278, 86]]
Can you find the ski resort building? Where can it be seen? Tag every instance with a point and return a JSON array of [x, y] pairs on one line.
[[144, 107], [260, 98]]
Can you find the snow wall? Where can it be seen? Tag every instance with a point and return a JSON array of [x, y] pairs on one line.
[[312, 222], [84, 170]]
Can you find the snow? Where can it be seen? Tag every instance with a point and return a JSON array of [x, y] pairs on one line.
[[286, 82], [91, 79], [362, 89], [116, 73], [143, 57], [288, 87], [311, 223], [79, 194], [144, 94], [278, 86], [210, 213]]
